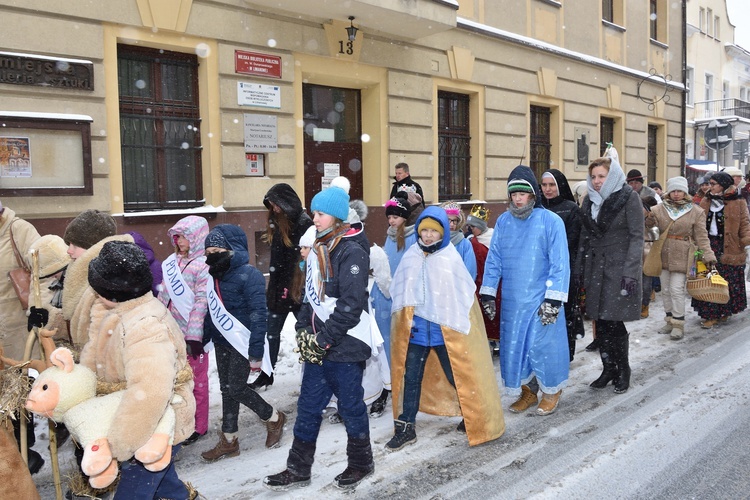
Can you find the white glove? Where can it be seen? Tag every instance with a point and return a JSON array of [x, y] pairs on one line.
[[381, 269], [747, 263]]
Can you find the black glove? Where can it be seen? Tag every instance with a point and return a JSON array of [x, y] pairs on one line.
[[488, 305], [549, 310], [308, 348], [38, 317], [194, 348], [628, 286]]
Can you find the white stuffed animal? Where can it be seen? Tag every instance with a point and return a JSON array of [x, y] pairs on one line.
[[66, 393]]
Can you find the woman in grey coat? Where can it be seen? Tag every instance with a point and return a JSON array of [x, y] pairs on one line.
[[611, 259]]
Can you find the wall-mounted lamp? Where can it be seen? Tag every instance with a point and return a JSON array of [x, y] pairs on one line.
[[351, 31]]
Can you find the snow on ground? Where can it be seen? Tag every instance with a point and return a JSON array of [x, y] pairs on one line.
[[241, 477]]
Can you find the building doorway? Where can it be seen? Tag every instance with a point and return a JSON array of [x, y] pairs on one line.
[[333, 138]]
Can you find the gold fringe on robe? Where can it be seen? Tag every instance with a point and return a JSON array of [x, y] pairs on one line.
[[476, 396]]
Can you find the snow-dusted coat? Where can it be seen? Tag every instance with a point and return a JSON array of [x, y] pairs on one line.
[[687, 233], [736, 230], [612, 248], [242, 291], [350, 261], [77, 282], [194, 272], [531, 258], [139, 343], [476, 395]]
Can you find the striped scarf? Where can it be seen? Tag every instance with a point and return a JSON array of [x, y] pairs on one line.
[[324, 245]]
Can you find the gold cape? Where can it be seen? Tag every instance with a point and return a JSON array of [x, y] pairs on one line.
[[476, 396]]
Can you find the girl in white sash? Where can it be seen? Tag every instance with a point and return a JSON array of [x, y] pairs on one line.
[[183, 291], [334, 342], [236, 323]]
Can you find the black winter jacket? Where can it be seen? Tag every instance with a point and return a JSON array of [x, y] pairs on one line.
[[284, 260], [350, 261], [242, 290]]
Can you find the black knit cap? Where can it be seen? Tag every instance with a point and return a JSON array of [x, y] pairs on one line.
[[398, 205], [723, 179], [120, 272], [89, 228]]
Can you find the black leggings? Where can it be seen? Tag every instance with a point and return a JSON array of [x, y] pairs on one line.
[[233, 371]]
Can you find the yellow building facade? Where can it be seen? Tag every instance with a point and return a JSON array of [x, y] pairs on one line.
[[195, 107]]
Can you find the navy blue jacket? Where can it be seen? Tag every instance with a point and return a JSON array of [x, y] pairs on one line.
[[351, 264], [243, 291]]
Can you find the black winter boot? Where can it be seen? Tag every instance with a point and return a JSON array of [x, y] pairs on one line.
[[593, 346], [405, 434], [378, 406], [360, 464], [298, 467], [606, 351], [622, 381]]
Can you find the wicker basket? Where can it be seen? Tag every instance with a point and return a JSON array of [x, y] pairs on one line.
[[713, 288]]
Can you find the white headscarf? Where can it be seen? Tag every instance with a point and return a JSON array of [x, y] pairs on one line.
[[614, 182]]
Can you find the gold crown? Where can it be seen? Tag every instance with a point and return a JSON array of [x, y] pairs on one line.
[[480, 212]]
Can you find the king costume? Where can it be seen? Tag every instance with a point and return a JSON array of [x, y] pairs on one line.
[[438, 288]]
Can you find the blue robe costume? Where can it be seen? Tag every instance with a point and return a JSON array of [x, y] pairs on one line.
[[531, 258]]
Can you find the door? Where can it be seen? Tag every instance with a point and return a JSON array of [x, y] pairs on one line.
[[333, 138]]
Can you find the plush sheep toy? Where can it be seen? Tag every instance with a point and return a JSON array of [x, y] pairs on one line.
[[66, 393]]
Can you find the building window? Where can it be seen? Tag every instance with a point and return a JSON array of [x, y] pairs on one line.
[[709, 90], [540, 139], [653, 24], [454, 152], [717, 27], [159, 129], [702, 19], [652, 148], [709, 16], [613, 12], [689, 75], [606, 133]]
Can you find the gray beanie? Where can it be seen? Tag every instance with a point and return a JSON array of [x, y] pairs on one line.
[[678, 183]]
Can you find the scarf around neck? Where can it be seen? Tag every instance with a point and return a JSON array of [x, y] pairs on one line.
[[676, 209], [523, 212], [324, 245]]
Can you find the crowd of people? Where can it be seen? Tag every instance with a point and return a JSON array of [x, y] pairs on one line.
[[420, 318]]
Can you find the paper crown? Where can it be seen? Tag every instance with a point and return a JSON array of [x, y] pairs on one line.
[[480, 212]]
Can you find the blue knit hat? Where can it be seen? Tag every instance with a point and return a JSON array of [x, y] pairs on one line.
[[333, 200]]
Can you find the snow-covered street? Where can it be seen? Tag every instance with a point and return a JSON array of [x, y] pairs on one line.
[[687, 399]]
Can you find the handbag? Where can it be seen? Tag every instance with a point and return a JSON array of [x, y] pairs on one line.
[[652, 266], [710, 288], [20, 278]]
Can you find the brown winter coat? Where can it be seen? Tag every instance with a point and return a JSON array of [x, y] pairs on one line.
[[736, 230], [137, 342], [612, 248], [686, 234]]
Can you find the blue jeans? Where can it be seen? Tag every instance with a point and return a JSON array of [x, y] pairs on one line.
[[416, 359], [137, 482], [319, 383]]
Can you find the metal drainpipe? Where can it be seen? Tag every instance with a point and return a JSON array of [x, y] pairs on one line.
[[684, 82]]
